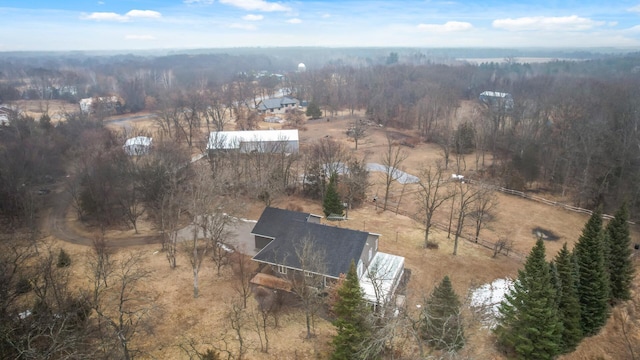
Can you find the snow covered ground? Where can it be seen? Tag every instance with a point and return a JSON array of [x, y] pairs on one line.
[[487, 298]]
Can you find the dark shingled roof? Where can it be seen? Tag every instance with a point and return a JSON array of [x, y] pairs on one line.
[[290, 229], [272, 220], [275, 103]]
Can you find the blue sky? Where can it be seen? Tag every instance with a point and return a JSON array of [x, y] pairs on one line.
[[171, 24]]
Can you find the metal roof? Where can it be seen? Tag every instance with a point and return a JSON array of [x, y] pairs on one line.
[[226, 140]]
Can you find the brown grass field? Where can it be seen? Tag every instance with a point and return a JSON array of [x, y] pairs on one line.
[[182, 316]]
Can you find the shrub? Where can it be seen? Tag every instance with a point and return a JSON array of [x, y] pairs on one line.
[[23, 286], [64, 259]]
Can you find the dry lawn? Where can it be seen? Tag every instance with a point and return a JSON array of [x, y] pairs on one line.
[[182, 316]]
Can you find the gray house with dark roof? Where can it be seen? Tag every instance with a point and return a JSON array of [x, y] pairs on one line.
[[280, 234], [277, 105]]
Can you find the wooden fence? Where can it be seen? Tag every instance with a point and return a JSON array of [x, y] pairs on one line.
[[542, 200], [491, 245]]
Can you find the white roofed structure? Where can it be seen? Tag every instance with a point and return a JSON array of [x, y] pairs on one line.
[[138, 145], [254, 141], [496, 99], [382, 277]]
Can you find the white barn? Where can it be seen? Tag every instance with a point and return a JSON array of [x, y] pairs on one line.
[[263, 141], [138, 145]]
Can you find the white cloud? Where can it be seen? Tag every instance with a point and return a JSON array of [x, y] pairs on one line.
[[104, 16], [259, 5], [294, 21], [150, 14], [140, 37], [100, 2], [326, 16], [557, 23], [634, 9], [111, 16], [449, 26], [249, 27], [252, 17]]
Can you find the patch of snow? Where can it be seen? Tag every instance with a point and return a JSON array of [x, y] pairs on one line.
[[399, 175], [487, 298], [25, 314]]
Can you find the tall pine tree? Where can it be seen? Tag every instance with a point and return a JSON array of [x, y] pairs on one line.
[[350, 320], [620, 265], [442, 323], [528, 323], [593, 276], [568, 302], [332, 204]]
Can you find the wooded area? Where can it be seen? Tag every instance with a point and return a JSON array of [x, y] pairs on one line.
[[571, 132]]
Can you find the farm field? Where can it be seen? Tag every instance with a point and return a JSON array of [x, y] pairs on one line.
[[182, 317]]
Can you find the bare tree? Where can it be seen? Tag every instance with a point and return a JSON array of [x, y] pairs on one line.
[[267, 305], [296, 118], [124, 309], [131, 197], [307, 283], [217, 113], [237, 318], [485, 203], [200, 192], [466, 196], [356, 182], [357, 131], [218, 229], [243, 271], [391, 159], [432, 194], [163, 176]]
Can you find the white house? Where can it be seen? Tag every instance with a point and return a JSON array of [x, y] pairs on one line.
[[264, 141], [138, 145]]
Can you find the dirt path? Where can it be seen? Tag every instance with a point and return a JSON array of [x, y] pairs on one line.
[[55, 224]]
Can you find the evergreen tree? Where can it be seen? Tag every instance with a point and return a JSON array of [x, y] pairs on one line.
[[313, 111], [528, 322], [593, 276], [350, 320], [442, 322], [568, 302], [332, 204], [620, 265]]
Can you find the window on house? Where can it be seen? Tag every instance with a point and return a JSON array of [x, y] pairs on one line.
[[282, 269], [308, 274], [370, 253]]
